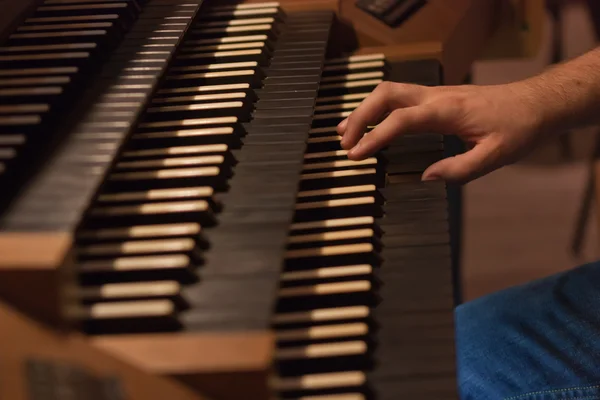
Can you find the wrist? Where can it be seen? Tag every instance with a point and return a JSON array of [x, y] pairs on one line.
[[528, 99], [566, 96], [554, 107]]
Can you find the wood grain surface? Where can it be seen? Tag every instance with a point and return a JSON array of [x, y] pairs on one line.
[[23, 340]]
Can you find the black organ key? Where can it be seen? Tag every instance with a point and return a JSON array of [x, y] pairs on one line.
[[245, 45], [100, 36], [12, 139], [75, 58], [75, 26], [185, 246], [349, 87], [48, 48], [215, 67], [137, 268], [127, 10], [237, 109], [65, 19], [347, 177], [155, 212], [12, 95], [274, 12], [260, 55], [141, 232], [173, 162], [353, 77], [205, 136], [24, 108], [206, 98], [340, 208], [241, 30], [210, 89], [336, 69], [250, 76], [39, 72], [331, 223], [167, 178], [158, 152], [23, 123], [130, 291], [284, 104], [135, 315], [204, 193], [7, 153], [238, 22], [228, 41]]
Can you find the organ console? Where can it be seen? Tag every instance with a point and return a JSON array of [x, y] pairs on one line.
[[174, 191]]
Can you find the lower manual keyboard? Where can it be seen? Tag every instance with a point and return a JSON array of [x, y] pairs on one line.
[[349, 307]]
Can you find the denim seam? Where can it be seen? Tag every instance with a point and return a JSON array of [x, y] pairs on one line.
[[554, 391], [582, 398], [570, 398]]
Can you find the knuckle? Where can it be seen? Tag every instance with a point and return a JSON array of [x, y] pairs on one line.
[[385, 88], [354, 123], [397, 116], [358, 115], [398, 93], [352, 118], [458, 101], [450, 107]]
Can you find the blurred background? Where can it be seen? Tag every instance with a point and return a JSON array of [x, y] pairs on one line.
[[520, 221]]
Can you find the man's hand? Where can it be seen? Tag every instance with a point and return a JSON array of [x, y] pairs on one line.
[[500, 123]]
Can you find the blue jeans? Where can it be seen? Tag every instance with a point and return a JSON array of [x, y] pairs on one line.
[[539, 341]]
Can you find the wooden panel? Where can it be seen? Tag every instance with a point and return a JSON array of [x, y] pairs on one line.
[[33, 251], [228, 365], [30, 271], [22, 340], [309, 5], [405, 52], [454, 32], [436, 21], [291, 5], [468, 39]]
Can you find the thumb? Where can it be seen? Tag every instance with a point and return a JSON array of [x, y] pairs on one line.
[[462, 168]]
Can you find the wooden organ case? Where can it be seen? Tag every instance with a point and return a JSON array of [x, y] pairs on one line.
[[174, 192]]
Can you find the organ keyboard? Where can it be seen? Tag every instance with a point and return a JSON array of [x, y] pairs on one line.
[[179, 161]]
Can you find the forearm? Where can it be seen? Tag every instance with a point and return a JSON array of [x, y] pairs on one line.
[[568, 95]]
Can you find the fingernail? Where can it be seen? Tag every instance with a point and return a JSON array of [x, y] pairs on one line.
[[353, 151], [342, 125], [343, 142], [430, 177]]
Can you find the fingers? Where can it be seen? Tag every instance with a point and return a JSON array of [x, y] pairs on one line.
[[386, 97], [480, 160], [417, 119]]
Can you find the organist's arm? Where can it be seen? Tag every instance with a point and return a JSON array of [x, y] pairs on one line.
[[501, 122]]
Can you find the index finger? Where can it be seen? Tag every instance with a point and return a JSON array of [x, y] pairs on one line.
[[386, 97]]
